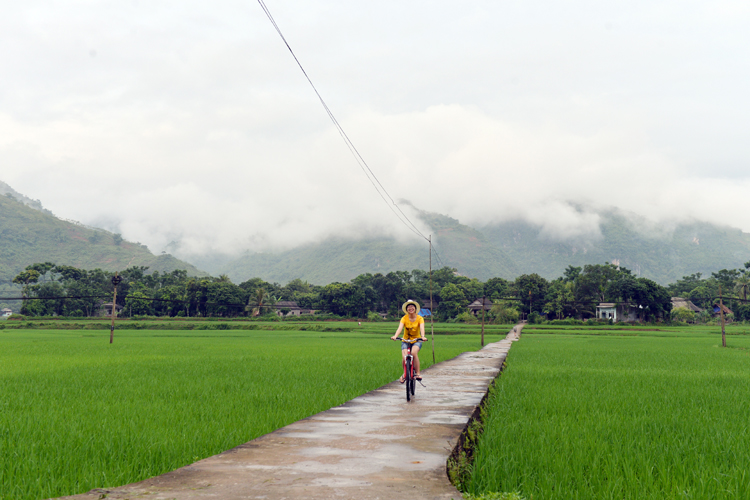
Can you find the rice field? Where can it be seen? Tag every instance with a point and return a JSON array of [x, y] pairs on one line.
[[77, 413], [622, 414]]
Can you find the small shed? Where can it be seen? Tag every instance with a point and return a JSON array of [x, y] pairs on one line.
[[290, 306], [106, 309], [476, 307], [717, 310], [619, 312], [5, 313]]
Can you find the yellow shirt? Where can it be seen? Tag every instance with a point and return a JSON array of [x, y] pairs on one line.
[[411, 328]]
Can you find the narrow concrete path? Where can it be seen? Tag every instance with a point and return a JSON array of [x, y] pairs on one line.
[[376, 446]]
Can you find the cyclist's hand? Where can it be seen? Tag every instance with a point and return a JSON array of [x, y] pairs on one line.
[[423, 339], [394, 337]]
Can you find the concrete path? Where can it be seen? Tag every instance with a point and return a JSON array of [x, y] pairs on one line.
[[376, 446]]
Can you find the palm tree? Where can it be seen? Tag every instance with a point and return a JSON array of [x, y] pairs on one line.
[[742, 285], [260, 302]]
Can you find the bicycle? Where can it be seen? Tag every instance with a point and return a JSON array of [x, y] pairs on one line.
[[408, 364]]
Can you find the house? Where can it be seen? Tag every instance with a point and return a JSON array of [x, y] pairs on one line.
[[106, 310], [680, 303], [716, 310], [619, 311], [287, 308], [606, 310], [476, 307], [5, 313]]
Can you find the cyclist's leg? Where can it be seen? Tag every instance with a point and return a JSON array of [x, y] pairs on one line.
[[415, 353]]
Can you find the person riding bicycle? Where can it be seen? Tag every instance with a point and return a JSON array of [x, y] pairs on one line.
[[413, 327]]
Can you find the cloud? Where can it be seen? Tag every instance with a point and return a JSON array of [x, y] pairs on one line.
[[180, 122]]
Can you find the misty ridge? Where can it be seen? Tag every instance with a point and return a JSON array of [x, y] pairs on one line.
[[484, 249]]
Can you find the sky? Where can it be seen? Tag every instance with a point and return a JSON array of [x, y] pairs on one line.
[[190, 122]]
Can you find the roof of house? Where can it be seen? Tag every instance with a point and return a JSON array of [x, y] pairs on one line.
[[287, 304], [680, 303], [606, 304], [726, 309], [477, 304]]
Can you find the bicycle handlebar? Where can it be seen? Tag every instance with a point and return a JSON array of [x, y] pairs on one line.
[[409, 341]]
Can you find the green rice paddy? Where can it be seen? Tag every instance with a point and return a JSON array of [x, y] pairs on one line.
[[77, 413], [621, 414]]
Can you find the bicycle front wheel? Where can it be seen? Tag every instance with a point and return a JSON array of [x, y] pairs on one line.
[[409, 380]]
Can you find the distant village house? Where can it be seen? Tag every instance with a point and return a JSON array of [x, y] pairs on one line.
[[290, 308], [680, 303], [106, 310], [475, 307], [619, 312]]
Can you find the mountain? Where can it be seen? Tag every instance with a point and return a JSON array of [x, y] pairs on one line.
[[659, 252], [29, 234], [342, 260], [662, 252]]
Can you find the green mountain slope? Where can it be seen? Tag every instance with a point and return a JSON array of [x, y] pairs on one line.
[[456, 245], [663, 254], [30, 234]]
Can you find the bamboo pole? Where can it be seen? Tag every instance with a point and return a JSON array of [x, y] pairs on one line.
[[115, 282], [483, 311], [721, 313], [432, 306]]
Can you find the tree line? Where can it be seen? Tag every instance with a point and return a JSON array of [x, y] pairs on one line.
[[59, 290]]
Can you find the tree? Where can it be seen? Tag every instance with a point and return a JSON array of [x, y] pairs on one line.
[[684, 315], [726, 278], [473, 289], [531, 290], [453, 301], [655, 299], [344, 299], [742, 286], [571, 273], [225, 299], [497, 288], [503, 312], [560, 298], [139, 304], [261, 302], [117, 239]]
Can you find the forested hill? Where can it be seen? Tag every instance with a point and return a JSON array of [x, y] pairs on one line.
[[658, 252], [460, 246], [29, 234]]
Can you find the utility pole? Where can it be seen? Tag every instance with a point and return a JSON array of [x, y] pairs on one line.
[[527, 319], [721, 313], [483, 311], [115, 281], [432, 308]]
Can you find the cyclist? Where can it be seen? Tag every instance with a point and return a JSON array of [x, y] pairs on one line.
[[413, 328]]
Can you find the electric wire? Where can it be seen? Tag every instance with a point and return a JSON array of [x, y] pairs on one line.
[[354, 151]]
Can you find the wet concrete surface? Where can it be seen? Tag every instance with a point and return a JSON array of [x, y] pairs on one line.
[[376, 446]]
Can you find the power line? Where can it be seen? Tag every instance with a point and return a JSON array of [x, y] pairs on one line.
[[357, 156]]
